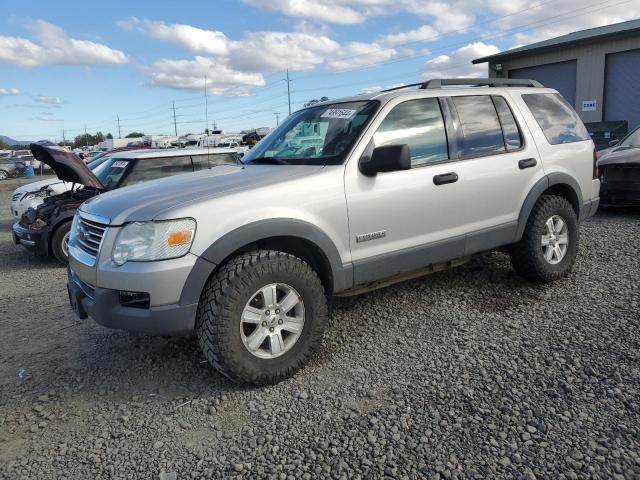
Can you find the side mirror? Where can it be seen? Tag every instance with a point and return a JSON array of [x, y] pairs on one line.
[[387, 158], [613, 143]]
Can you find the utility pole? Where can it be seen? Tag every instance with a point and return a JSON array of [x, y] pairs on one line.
[[175, 125], [86, 137], [277, 114], [119, 134], [206, 107], [64, 141], [289, 91]]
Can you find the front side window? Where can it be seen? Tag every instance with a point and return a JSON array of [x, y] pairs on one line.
[[419, 124], [112, 171], [481, 130], [320, 135], [558, 121], [147, 169]]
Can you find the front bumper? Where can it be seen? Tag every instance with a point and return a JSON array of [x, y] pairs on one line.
[[103, 306], [36, 241], [94, 291]]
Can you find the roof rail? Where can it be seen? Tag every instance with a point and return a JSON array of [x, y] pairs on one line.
[[480, 82], [400, 87]]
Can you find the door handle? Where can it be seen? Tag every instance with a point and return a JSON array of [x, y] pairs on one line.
[[444, 178], [527, 163]]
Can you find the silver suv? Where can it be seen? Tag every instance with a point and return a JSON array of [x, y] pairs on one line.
[[343, 197]]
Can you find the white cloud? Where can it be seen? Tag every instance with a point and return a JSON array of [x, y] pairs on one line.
[[272, 51], [189, 37], [190, 75], [458, 63], [50, 101], [54, 47], [328, 11], [422, 34], [5, 92], [359, 54], [46, 117]]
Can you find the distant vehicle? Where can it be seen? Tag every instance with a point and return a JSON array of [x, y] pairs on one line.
[[7, 169], [620, 171], [45, 229]]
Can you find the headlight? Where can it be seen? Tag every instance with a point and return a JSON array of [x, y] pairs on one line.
[[147, 241]]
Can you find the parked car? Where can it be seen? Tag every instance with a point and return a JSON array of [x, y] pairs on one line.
[[45, 229], [407, 181], [33, 194], [8, 169], [620, 171]]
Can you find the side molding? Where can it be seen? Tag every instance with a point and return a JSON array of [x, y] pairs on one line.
[[555, 178]]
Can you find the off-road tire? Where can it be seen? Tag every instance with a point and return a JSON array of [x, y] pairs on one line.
[[56, 243], [527, 256], [224, 298]]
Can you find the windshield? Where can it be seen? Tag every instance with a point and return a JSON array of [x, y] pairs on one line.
[[111, 171], [320, 135], [632, 140]]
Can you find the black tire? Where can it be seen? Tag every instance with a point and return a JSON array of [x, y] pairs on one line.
[[60, 235], [4, 174], [226, 295], [527, 255]]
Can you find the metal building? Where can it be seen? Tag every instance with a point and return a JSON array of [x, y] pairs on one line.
[[596, 70]]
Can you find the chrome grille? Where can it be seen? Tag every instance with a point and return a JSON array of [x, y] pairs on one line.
[[89, 236], [16, 196], [629, 174]]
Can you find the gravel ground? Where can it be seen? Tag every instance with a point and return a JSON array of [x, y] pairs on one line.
[[470, 373]]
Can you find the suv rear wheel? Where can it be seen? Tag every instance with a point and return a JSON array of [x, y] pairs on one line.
[[261, 316], [549, 245]]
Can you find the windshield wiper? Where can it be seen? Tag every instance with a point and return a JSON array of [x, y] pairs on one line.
[[269, 161]]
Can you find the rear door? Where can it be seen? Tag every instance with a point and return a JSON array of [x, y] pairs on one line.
[[498, 165]]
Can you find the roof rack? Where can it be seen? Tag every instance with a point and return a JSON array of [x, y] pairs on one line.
[[400, 87], [480, 82]]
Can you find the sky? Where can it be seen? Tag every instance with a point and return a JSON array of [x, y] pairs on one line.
[[68, 64]]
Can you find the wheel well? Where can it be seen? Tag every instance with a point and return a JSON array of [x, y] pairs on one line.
[[564, 190], [55, 228], [302, 248]]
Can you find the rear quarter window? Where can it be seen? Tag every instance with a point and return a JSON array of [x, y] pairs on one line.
[[558, 121]]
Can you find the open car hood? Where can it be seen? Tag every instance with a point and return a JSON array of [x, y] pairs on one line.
[[67, 165]]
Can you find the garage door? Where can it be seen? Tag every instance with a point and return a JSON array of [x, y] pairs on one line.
[[561, 76], [622, 80]]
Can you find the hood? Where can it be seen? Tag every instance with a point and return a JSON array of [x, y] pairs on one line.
[[36, 186], [66, 165], [147, 200], [620, 155]]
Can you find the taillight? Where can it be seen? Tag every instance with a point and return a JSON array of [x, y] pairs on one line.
[[596, 170]]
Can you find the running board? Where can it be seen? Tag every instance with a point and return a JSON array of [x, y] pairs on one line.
[[402, 277]]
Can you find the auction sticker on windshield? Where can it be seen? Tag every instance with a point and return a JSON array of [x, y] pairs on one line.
[[344, 113], [119, 164]]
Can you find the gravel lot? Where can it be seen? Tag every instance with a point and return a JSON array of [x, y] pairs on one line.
[[470, 373]]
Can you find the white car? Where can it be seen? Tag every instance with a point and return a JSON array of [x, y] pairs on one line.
[[33, 194]]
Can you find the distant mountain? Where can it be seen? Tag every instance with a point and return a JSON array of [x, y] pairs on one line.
[[11, 142]]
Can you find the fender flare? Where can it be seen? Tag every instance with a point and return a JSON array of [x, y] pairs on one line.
[[217, 252], [555, 178]]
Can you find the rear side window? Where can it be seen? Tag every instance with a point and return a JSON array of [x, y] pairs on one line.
[[558, 121], [152, 168], [512, 138], [481, 130], [419, 124], [201, 162]]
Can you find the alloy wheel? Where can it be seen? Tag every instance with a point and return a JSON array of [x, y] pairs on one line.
[[555, 239]]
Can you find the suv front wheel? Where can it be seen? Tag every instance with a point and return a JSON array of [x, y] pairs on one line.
[[261, 316], [549, 244]]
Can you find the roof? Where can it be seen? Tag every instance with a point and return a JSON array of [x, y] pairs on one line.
[[582, 36], [171, 152]]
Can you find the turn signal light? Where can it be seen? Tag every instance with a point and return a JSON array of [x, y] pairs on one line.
[[596, 169], [179, 238]]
